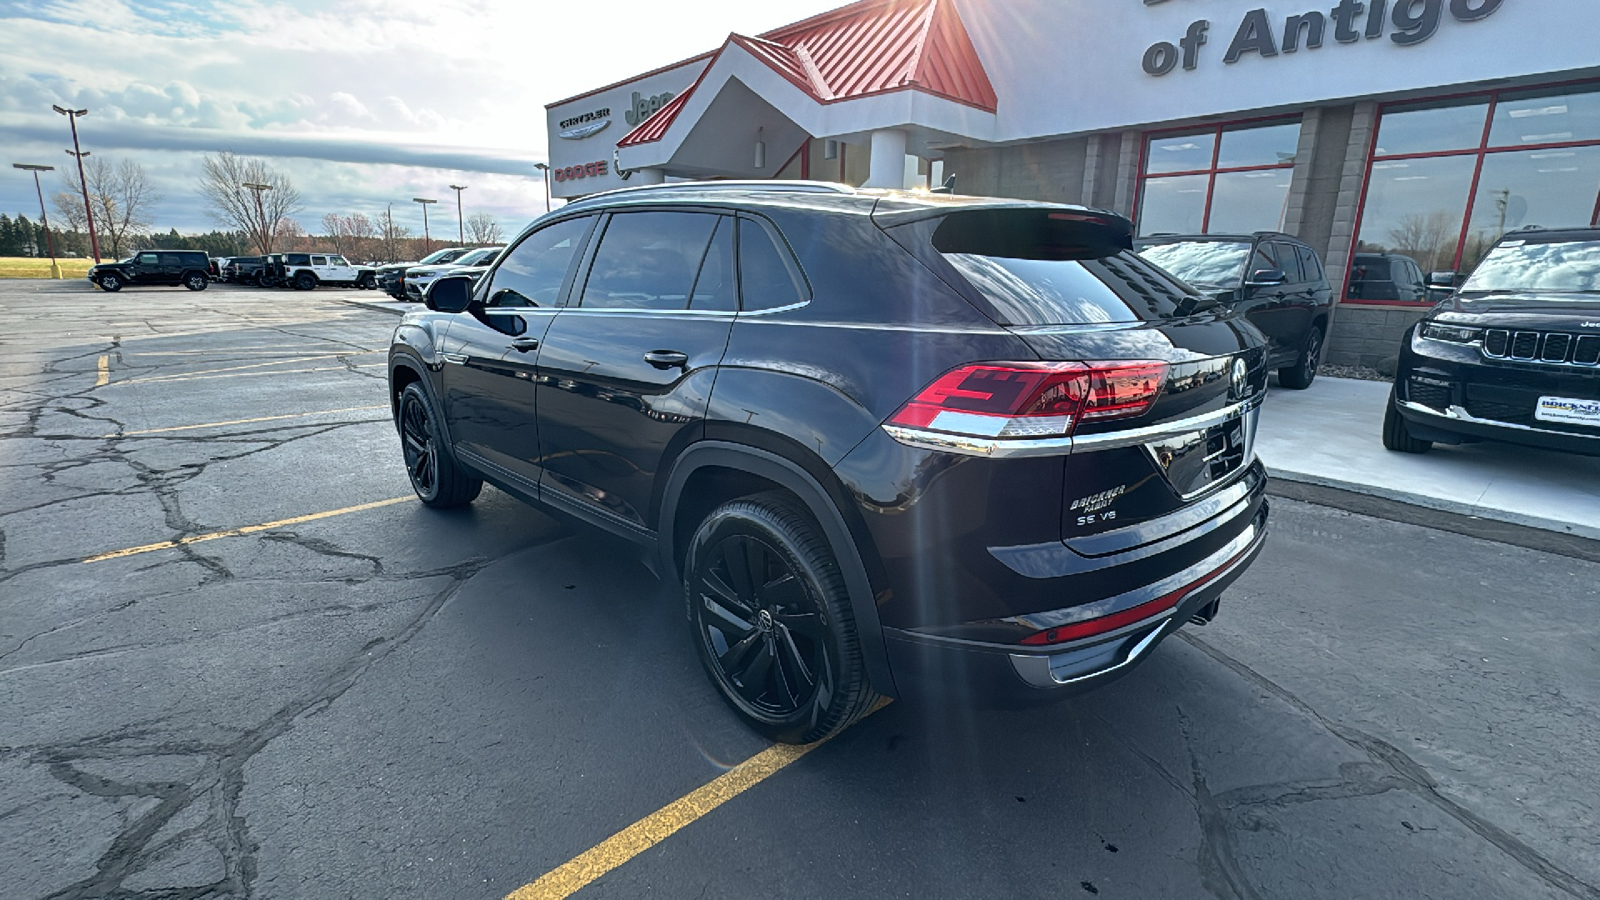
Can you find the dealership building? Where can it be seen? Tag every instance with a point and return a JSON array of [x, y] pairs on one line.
[[1396, 137]]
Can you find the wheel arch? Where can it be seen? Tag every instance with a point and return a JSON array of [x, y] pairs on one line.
[[743, 469]]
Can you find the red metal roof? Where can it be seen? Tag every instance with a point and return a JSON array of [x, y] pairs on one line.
[[867, 48]]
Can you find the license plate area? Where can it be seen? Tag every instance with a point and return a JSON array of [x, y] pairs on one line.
[[1194, 462], [1568, 411]]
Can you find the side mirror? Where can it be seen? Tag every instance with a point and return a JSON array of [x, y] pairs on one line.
[[1442, 279], [1266, 278], [451, 294]]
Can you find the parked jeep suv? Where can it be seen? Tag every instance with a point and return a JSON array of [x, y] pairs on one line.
[[190, 268], [884, 443], [1276, 280], [1513, 356]]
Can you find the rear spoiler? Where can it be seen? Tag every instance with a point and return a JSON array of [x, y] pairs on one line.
[[1014, 231]]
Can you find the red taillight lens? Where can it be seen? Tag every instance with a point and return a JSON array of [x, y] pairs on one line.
[[1019, 400]]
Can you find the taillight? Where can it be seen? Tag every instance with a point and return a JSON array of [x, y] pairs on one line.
[[1041, 399]]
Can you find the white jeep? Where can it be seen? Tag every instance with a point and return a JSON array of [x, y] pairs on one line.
[[304, 271]]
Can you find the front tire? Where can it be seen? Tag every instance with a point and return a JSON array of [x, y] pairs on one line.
[[1396, 436], [770, 618], [438, 479], [110, 283], [366, 282], [196, 282], [1304, 371]]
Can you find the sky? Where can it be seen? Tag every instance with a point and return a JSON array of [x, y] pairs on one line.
[[361, 103]]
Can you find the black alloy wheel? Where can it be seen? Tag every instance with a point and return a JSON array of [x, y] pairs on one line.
[[1396, 436], [771, 620], [367, 282], [1304, 371], [195, 282], [436, 477], [110, 282], [305, 281]]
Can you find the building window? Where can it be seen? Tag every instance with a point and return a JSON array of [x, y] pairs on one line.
[[1217, 180], [1448, 178]]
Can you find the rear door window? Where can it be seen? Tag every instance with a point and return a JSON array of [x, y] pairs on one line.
[[1309, 264], [1118, 288], [648, 260], [533, 272], [715, 287], [768, 275]]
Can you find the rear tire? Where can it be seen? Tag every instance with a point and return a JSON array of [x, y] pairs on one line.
[[1304, 371], [770, 617], [194, 281], [305, 281], [1396, 436], [438, 479], [110, 283]]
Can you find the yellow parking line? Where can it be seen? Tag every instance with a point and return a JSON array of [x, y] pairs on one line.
[[176, 376], [322, 412], [664, 822], [247, 529], [104, 369], [173, 379]]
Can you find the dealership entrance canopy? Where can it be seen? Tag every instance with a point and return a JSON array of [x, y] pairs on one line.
[[1399, 137]]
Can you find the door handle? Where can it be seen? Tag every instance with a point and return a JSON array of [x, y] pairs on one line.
[[523, 345], [667, 359]]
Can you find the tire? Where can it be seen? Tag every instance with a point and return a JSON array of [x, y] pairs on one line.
[[110, 283], [1396, 436], [768, 609], [194, 281], [438, 479], [1304, 371], [305, 281], [366, 282]]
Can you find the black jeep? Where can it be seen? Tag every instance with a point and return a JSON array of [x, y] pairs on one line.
[[190, 268]]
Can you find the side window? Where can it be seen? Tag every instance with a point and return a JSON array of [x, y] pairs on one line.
[[172, 259], [768, 278], [1263, 258], [648, 260], [319, 260], [148, 259], [337, 261], [1310, 264], [715, 288], [532, 272], [1289, 261]]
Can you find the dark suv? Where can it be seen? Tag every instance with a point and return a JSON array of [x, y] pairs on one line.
[[391, 278], [881, 442], [1388, 277], [190, 268], [1276, 280], [1513, 355]]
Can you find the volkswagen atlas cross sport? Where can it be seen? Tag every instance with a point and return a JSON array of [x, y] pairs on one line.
[[1514, 355], [882, 443]]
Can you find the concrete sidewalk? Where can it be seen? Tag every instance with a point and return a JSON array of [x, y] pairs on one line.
[[1331, 435]]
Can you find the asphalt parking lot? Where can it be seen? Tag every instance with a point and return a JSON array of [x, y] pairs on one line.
[[237, 659]]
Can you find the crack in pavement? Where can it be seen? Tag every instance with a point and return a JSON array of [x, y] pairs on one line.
[[221, 781]]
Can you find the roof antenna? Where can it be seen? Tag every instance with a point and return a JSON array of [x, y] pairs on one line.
[[949, 186]]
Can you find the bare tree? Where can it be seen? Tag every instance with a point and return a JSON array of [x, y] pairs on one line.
[[287, 234], [483, 229], [360, 232], [394, 237], [256, 212], [333, 225], [1429, 238], [119, 195]]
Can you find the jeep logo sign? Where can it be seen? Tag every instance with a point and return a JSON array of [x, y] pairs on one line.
[[645, 107], [1413, 21]]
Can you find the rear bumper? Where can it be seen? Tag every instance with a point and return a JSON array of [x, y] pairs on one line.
[[983, 672]]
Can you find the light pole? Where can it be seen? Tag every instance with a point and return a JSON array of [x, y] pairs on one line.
[[545, 168], [461, 225], [55, 267], [263, 236], [72, 116], [427, 241]]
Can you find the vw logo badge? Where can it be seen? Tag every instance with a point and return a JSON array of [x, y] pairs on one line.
[[1241, 380]]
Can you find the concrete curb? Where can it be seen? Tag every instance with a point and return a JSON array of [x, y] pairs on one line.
[[394, 307], [1422, 501]]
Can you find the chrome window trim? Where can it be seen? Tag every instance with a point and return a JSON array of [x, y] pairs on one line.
[[1001, 448]]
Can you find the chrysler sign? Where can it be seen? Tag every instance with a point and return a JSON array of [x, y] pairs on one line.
[[1405, 22], [577, 128]]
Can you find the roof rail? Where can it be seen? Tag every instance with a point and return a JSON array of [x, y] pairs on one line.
[[788, 187]]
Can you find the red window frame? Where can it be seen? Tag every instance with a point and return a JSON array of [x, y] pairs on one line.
[[1211, 172], [1483, 151]]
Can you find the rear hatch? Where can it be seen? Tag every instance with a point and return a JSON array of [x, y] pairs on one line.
[[1185, 376]]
